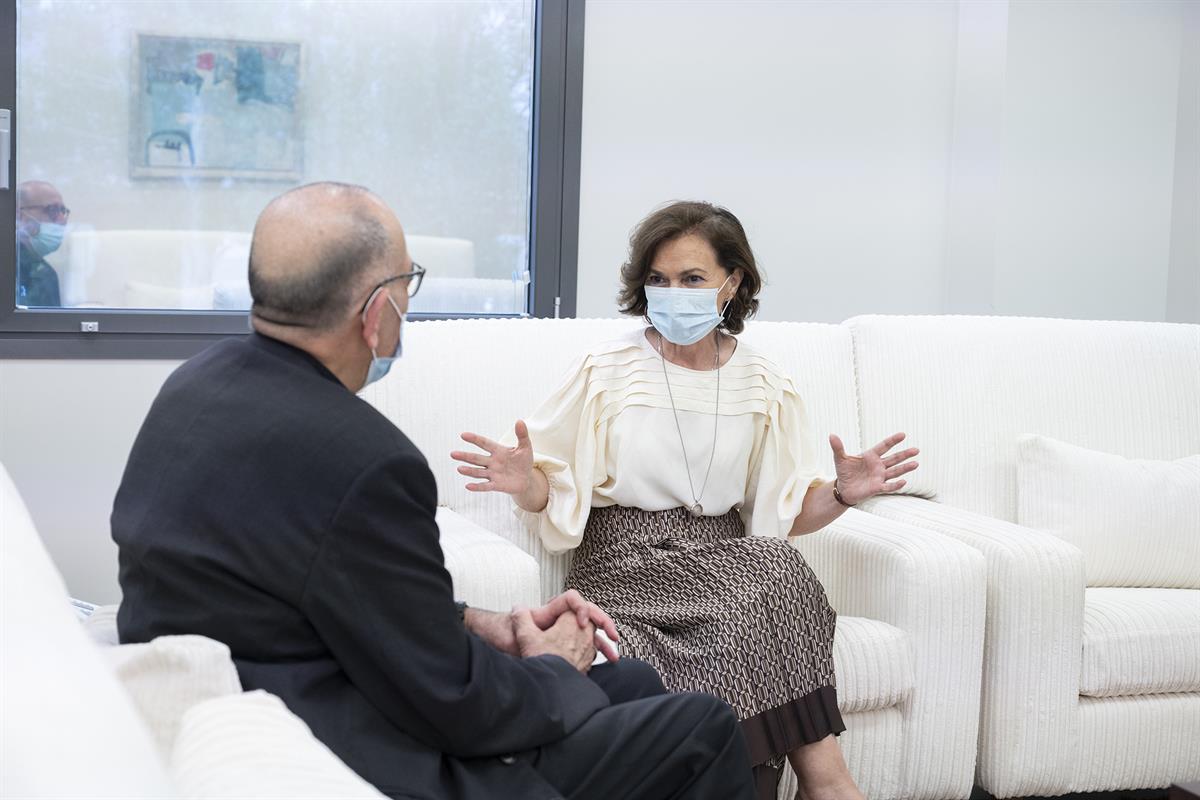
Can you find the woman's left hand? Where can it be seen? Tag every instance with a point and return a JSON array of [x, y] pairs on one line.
[[874, 471]]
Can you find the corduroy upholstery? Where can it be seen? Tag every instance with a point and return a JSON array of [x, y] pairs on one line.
[[967, 390]]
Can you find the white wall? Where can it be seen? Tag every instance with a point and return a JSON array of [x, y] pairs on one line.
[[904, 157], [66, 428], [823, 126], [1183, 280], [1089, 159]]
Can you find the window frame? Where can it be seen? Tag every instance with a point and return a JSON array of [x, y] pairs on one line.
[[52, 333]]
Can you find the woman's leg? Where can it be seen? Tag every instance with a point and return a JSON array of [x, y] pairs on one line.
[[822, 772]]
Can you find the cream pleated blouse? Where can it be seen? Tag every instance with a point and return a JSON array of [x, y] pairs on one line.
[[607, 436]]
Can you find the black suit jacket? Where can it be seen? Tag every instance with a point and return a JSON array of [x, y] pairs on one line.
[[37, 282], [266, 506]]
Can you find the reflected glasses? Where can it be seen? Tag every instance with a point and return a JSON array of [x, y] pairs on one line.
[[54, 210], [413, 283]]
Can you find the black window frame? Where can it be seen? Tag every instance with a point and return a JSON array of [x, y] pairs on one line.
[[53, 333]]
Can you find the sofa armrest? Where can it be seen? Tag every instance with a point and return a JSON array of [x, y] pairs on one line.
[[489, 572], [932, 588], [1032, 645]]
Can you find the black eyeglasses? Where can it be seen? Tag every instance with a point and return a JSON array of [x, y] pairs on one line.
[[413, 278], [53, 210]]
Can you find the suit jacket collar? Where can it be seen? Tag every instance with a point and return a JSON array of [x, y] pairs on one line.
[[292, 354]]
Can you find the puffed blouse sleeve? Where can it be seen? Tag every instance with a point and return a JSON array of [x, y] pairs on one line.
[[569, 448], [783, 468]]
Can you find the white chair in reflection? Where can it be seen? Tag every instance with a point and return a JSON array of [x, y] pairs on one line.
[[451, 287], [172, 269], [205, 270]]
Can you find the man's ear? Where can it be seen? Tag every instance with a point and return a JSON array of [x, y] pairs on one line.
[[370, 330], [27, 224]]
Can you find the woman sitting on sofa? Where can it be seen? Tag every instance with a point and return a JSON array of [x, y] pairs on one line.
[[673, 461]]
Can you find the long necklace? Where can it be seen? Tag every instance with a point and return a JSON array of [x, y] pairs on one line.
[[695, 509]]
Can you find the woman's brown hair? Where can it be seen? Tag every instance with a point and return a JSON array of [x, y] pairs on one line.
[[720, 228]]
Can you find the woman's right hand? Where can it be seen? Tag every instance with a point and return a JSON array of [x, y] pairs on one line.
[[502, 469]]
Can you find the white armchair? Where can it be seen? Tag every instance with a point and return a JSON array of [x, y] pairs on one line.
[[1089, 684], [1042, 727], [1035, 598], [930, 590], [159, 720], [83, 717]]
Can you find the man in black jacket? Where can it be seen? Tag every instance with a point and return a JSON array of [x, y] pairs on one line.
[[41, 225], [266, 506]]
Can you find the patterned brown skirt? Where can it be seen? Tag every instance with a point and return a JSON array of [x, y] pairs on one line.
[[717, 611]]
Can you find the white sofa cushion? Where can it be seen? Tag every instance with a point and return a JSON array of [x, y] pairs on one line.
[[1140, 641], [250, 746], [1136, 521], [67, 729], [488, 572], [873, 664], [171, 674]]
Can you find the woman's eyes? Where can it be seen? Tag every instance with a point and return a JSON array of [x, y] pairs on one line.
[[658, 280]]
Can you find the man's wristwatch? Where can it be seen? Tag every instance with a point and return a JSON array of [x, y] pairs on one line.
[[462, 611]]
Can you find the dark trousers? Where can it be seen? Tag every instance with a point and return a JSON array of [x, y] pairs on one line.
[[649, 745], [627, 679]]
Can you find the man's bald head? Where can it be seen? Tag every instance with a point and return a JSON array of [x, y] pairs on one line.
[[37, 193], [316, 248]]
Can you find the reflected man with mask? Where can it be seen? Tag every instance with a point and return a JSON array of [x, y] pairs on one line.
[[264, 505], [41, 225]]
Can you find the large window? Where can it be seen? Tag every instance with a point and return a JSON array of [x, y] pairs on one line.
[[147, 137]]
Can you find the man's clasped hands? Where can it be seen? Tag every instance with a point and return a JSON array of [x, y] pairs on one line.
[[568, 626]]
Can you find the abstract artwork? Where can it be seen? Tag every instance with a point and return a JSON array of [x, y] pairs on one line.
[[216, 108]]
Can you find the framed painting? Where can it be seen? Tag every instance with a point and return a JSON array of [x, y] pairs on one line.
[[216, 108]]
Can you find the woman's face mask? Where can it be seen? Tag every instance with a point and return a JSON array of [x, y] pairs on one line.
[[684, 316]]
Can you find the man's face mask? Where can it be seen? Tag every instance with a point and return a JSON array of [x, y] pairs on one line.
[[380, 365], [48, 238]]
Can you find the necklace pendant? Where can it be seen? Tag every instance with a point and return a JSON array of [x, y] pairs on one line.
[[696, 510]]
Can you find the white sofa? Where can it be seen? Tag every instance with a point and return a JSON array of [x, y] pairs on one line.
[[1091, 672], [909, 576], [908, 644], [194, 269], [81, 717]]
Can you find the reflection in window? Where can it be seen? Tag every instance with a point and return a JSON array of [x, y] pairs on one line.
[[41, 225], [168, 134]]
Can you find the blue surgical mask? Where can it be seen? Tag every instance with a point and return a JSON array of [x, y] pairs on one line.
[[381, 364], [48, 238], [684, 316]]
